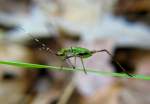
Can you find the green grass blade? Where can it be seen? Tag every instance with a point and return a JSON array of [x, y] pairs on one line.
[[38, 66]]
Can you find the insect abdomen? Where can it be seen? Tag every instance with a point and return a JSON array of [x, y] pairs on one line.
[[81, 52]]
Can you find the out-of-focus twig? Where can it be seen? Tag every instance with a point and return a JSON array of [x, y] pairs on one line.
[[67, 93]]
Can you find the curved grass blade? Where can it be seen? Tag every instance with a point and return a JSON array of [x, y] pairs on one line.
[[38, 66]]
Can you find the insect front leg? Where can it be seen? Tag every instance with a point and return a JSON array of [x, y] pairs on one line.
[[67, 58]]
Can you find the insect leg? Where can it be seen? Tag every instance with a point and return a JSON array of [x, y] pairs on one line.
[[74, 57], [70, 63], [68, 60], [75, 60], [104, 50], [83, 65]]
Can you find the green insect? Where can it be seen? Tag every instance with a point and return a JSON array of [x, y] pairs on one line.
[[82, 53], [67, 53]]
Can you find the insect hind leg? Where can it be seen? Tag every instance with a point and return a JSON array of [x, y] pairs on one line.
[[104, 50]]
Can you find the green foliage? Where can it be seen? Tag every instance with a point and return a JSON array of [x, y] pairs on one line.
[[90, 71]]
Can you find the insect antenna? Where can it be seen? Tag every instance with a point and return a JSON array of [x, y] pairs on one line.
[[38, 41], [104, 50], [43, 45]]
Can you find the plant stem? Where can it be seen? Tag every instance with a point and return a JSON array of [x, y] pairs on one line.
[[94, 71]]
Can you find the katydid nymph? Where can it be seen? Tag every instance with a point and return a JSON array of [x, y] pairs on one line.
[[78, 52]]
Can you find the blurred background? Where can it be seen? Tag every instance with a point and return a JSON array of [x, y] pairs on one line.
[[120, 26]]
